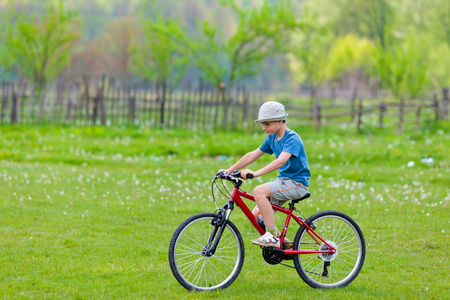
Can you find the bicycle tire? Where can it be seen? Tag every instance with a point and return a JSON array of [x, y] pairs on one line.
[[195, 271], [344, 266]]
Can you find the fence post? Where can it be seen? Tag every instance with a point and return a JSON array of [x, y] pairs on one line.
[[86, 96], [233, 101], [382, 109], [436, 107], [224, 96], [187, 111], [245, 108], [352, 103], [4, 100], [98, 103], [14, 107], [70, 101], [162, 100], [31, 105], [22, 101], [445, 100], [95, 110], [102, 100], [199, 105], [131, 107], [172, 108], [400, 115], [419, 108], [316, 114], [360, 113]]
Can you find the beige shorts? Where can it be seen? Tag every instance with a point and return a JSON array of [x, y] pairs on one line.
[[285, 189]]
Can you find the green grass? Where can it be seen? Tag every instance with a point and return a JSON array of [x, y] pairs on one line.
[[88, 212]]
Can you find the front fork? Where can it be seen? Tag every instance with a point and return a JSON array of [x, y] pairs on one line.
[[219, 223]]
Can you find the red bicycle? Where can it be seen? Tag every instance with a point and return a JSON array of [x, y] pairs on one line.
[[206, 251]]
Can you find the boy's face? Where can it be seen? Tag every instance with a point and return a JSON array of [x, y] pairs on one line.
[[271, 127]]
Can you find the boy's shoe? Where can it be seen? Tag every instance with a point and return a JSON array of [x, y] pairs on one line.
[[267, 240]]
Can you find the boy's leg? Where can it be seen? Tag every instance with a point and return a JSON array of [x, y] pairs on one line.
[[262, 194], [270, 238], [279, 191]]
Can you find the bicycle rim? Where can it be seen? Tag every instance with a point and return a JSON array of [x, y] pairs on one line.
[[330, 270], [196, 271]]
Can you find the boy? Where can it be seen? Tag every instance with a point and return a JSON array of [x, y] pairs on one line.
[[291, 162]]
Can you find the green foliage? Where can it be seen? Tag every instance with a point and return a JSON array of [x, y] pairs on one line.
[[410, 36], [154, 55], [40, 47], [230, 44], [349, 53], [402, 66], [260, 33], [309, 51], [439, 72], [366, 19]]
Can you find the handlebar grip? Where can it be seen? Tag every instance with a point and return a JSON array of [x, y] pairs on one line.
[[250, 176]]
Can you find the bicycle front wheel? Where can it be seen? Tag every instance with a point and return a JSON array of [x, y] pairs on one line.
[[193, 266], [330, 270]]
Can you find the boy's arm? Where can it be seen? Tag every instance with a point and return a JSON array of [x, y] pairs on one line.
[[274, 165], [246, 160]]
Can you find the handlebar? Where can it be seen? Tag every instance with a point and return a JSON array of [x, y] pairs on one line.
[[233, 177]]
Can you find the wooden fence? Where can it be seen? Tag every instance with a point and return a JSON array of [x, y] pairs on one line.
[[376, 113], [105, 103], [108, 104]]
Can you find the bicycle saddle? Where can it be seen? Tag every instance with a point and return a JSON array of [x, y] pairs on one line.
[[307, 195]]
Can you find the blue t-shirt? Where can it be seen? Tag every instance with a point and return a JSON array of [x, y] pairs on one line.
[[296, 167]]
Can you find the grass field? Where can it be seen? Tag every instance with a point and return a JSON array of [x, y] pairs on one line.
[[88, 213]]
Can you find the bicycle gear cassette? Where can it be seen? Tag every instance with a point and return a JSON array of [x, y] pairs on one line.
[[328, 256]]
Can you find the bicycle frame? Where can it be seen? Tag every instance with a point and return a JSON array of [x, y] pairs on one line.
[[236, 198]]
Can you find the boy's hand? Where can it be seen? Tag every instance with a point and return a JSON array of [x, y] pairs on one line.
[[245, 172], [223, 170]]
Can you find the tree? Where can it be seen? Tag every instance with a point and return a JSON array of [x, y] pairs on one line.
[[349, 60], [439, 72], [157, 57], [435, 32], [6, 60], [367, 19], [260, 33], [402, 66], [40, 46], [115, 45], [308, 58]]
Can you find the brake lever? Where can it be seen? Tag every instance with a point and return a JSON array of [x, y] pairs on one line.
[[219, 175]]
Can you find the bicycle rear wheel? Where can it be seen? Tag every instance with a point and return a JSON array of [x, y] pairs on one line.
[[193, 267], [330, 270]]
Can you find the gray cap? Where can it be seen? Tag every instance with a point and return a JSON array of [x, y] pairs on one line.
[[271, 111]]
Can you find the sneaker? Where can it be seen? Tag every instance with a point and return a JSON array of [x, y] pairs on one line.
[[267, 240]]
